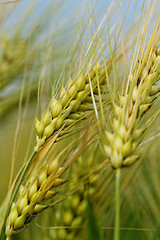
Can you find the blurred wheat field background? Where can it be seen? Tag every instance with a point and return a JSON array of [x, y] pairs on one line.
[[46, 47]]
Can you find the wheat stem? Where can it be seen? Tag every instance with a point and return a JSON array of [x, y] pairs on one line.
[[117, 203]]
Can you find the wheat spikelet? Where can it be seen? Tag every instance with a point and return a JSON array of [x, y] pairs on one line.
[[70, 106], [126, 134]]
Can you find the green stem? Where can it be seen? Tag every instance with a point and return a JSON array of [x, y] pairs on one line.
[[15, 191], [117, 205]]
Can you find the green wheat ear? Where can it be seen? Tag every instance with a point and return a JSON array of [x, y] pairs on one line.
[[72, 211], [70, 106], [31, 196], [126, 134], [61, 113], [13, 52], [121, 143], [44, 186]]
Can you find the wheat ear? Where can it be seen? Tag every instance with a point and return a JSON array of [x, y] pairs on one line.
[[31, 196], [44, 183], [72, 212], [126, 134], [70, 106], [60, 112]]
